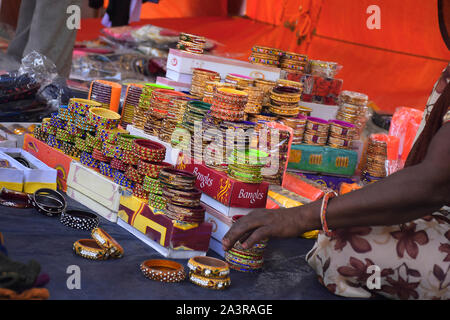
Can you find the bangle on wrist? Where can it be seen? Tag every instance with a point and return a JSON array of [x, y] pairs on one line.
[[323, 211]]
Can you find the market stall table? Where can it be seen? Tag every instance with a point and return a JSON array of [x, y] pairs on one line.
[[29, 235]]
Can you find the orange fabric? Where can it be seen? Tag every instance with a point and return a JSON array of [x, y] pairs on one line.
[[395, 66], [182, 8], [302, 188], [30, 294]]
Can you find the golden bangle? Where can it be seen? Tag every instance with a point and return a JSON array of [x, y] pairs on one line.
[[107, 242], [89, 249], [209, 283], [209, 267]]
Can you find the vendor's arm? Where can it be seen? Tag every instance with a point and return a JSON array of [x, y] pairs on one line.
[[406, 195]]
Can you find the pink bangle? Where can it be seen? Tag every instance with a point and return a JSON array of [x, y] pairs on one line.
[[323, 211]]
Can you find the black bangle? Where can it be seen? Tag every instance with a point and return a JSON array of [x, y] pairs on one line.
[[49, 202], [78, 219]]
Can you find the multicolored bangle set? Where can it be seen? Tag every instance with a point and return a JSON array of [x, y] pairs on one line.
[[191, 43]]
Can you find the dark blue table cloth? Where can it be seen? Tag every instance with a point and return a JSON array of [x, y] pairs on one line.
[[29, 235]]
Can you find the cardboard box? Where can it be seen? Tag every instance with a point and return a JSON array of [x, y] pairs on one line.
[[223, 209], [179, 77], [323, 111], [38, 176], [228, 191], [185, 62], [11, 178], [155, 225], [323, 159], [171, 153], [53, 158], [177, 85], [96, 187], [103, 211], [166, 252]]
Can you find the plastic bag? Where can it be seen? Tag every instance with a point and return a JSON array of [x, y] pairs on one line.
[[404, 124]]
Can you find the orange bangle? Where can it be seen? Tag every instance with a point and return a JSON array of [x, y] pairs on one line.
[[163, 270], [323, 211]]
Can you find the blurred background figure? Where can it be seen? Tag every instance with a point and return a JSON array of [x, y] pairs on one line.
[[42, 27]]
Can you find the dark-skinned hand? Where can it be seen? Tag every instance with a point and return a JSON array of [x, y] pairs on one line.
[[265, 223]]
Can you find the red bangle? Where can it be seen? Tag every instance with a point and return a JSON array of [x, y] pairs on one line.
[[323, 211], [134, 175], [151, 169]]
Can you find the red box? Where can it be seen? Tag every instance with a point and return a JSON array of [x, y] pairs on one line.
[[52, 157], [224, 189], [158, 227]]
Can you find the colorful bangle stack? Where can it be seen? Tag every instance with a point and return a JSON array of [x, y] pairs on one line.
[[141, 110], [188, 198], [353, 109], [105, 169], [81, 145], [103, 239], [63, 135], [133, 95], [98, 155], [156, 201], [305, 111], [324, 69], [89, 249], [212, 86], [149, 150], [134, 175], [163, 270], [298, 125], [122, 180], [159, 106], [70, 149], [47, 127], [195, 111], [83, 124], [191, 43], [93, 142], [177, 179], [209, 272], [151, 169], [39, 134], [266, 56], [152, 185], [229, 104], [88, 160], [103, 118], [65, 114], [125, 141], [375, 166], [175, 112], [246, 165], [129, 157], [266, 86], [199, 79], [184, 214], [56, 122], [341, 134], [316, 131], [284, 100], [110, 135], [111, 150], [82, 106], [138, 191], [241, 82], [255, 100], [246, 260], [73, 130], [118, 164], [292, 61]]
